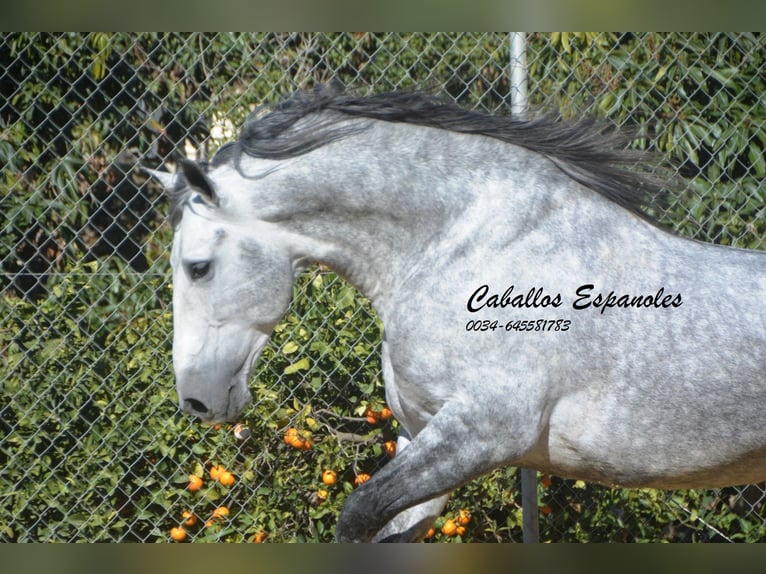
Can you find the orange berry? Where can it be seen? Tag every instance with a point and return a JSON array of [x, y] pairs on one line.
[[259, 536], [545, 480], [329, 477], [290, 434], [195, 482], [178, 533], [295, 442], [372, 416], [216, 471], [189, 518], [221, 512], [227, 478], [390, 447], [460, 530], [546, 509], [430, 534], [385, 413], [449, 528], [463, 516], [322, 495], [306, 445], [361, 478]]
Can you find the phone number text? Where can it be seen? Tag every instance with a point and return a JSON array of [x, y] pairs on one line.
[[539, 325]]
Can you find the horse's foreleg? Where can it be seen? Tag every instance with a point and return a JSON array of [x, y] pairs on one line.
[[454, 447], [412, 524]]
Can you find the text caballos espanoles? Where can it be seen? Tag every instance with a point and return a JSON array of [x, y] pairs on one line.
[[584, 298]]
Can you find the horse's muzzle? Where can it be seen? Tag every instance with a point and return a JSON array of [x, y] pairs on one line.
[[211, 403]]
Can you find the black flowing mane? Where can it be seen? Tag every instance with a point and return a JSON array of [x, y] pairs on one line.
[[593, 154]]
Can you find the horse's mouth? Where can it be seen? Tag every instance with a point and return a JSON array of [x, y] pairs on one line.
[[239, 396], [221, 395]]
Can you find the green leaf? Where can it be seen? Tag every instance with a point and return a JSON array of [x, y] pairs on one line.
[[290, 347], [301, 365], [756, 156]]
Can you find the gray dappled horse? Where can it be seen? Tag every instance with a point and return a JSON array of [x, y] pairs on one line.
[[533, 314]]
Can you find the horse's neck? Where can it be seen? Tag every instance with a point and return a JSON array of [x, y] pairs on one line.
[[371, 206]]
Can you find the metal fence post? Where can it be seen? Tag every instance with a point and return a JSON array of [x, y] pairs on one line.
[[518, 42], [530, 516]]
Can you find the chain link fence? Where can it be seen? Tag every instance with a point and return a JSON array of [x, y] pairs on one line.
[[92, 446]]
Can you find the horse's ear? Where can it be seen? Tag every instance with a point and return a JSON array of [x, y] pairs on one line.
[[166, 179], [197, 179]]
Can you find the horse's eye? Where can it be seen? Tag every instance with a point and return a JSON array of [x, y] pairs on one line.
[[198, 269]]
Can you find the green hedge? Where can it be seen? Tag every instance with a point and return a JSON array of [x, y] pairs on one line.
[[92, 445], [95, 449]]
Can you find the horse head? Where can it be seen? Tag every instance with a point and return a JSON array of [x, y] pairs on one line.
[[232, 280]]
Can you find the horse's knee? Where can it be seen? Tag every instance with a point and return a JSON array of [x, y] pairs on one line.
[[378, 511]]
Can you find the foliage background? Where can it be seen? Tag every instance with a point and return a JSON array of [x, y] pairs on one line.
[[92, 446]]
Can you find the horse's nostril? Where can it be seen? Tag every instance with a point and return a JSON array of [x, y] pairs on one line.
[[196, 406]]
